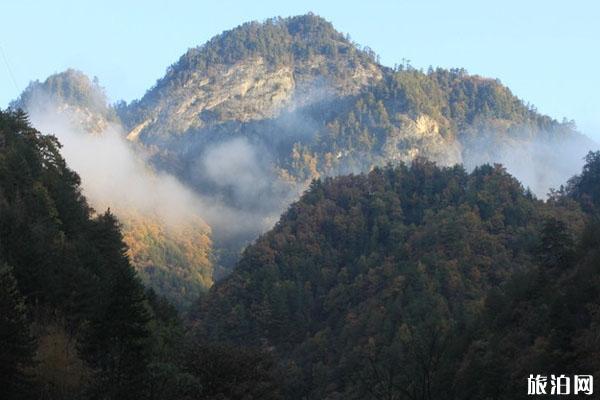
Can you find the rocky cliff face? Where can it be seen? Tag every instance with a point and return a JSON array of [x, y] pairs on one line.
[[248, 90], [421, 137]]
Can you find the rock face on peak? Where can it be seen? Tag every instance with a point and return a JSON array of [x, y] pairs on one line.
[[421, 137], [247, 90]]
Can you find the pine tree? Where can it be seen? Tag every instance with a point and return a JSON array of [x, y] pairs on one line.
[[117, 337]]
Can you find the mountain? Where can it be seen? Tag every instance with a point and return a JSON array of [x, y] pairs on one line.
[[298, 83], [419, 282], [171, 251], [279, 103], [247, 120]]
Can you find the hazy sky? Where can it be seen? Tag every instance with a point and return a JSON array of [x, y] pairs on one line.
[[547, 52]]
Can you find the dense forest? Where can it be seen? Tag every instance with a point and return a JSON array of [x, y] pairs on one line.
[[409, 282], [420, 282]]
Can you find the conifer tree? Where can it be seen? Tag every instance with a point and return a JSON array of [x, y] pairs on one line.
[[117, 338]]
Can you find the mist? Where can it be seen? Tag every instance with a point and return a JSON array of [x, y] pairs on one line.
[[113, 175], [242, 192], [541, 162], [235, 165]]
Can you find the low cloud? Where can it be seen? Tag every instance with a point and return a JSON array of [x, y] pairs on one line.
[[540, 161], [113, 174], [242, 193]]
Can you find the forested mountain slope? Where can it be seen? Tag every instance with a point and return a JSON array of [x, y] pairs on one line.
[[73, 315], [409, 282], [320, 105], [419, 282], [546, 318]]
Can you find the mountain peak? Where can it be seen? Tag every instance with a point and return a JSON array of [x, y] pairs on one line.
[[71, 87], [275, 39], [72, 91], [252, 72]]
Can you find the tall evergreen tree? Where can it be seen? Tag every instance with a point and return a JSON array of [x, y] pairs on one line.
[[117, 336]]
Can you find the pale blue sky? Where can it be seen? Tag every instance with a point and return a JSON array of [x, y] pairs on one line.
[[547, 52]]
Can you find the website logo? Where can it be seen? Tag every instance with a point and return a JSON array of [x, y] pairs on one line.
[[560, 385]]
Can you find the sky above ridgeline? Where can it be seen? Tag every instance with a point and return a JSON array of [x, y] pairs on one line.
[[547, 52]]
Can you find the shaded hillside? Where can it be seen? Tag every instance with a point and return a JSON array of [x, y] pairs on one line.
[[544, 319], [74, 315], [377, 285]]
